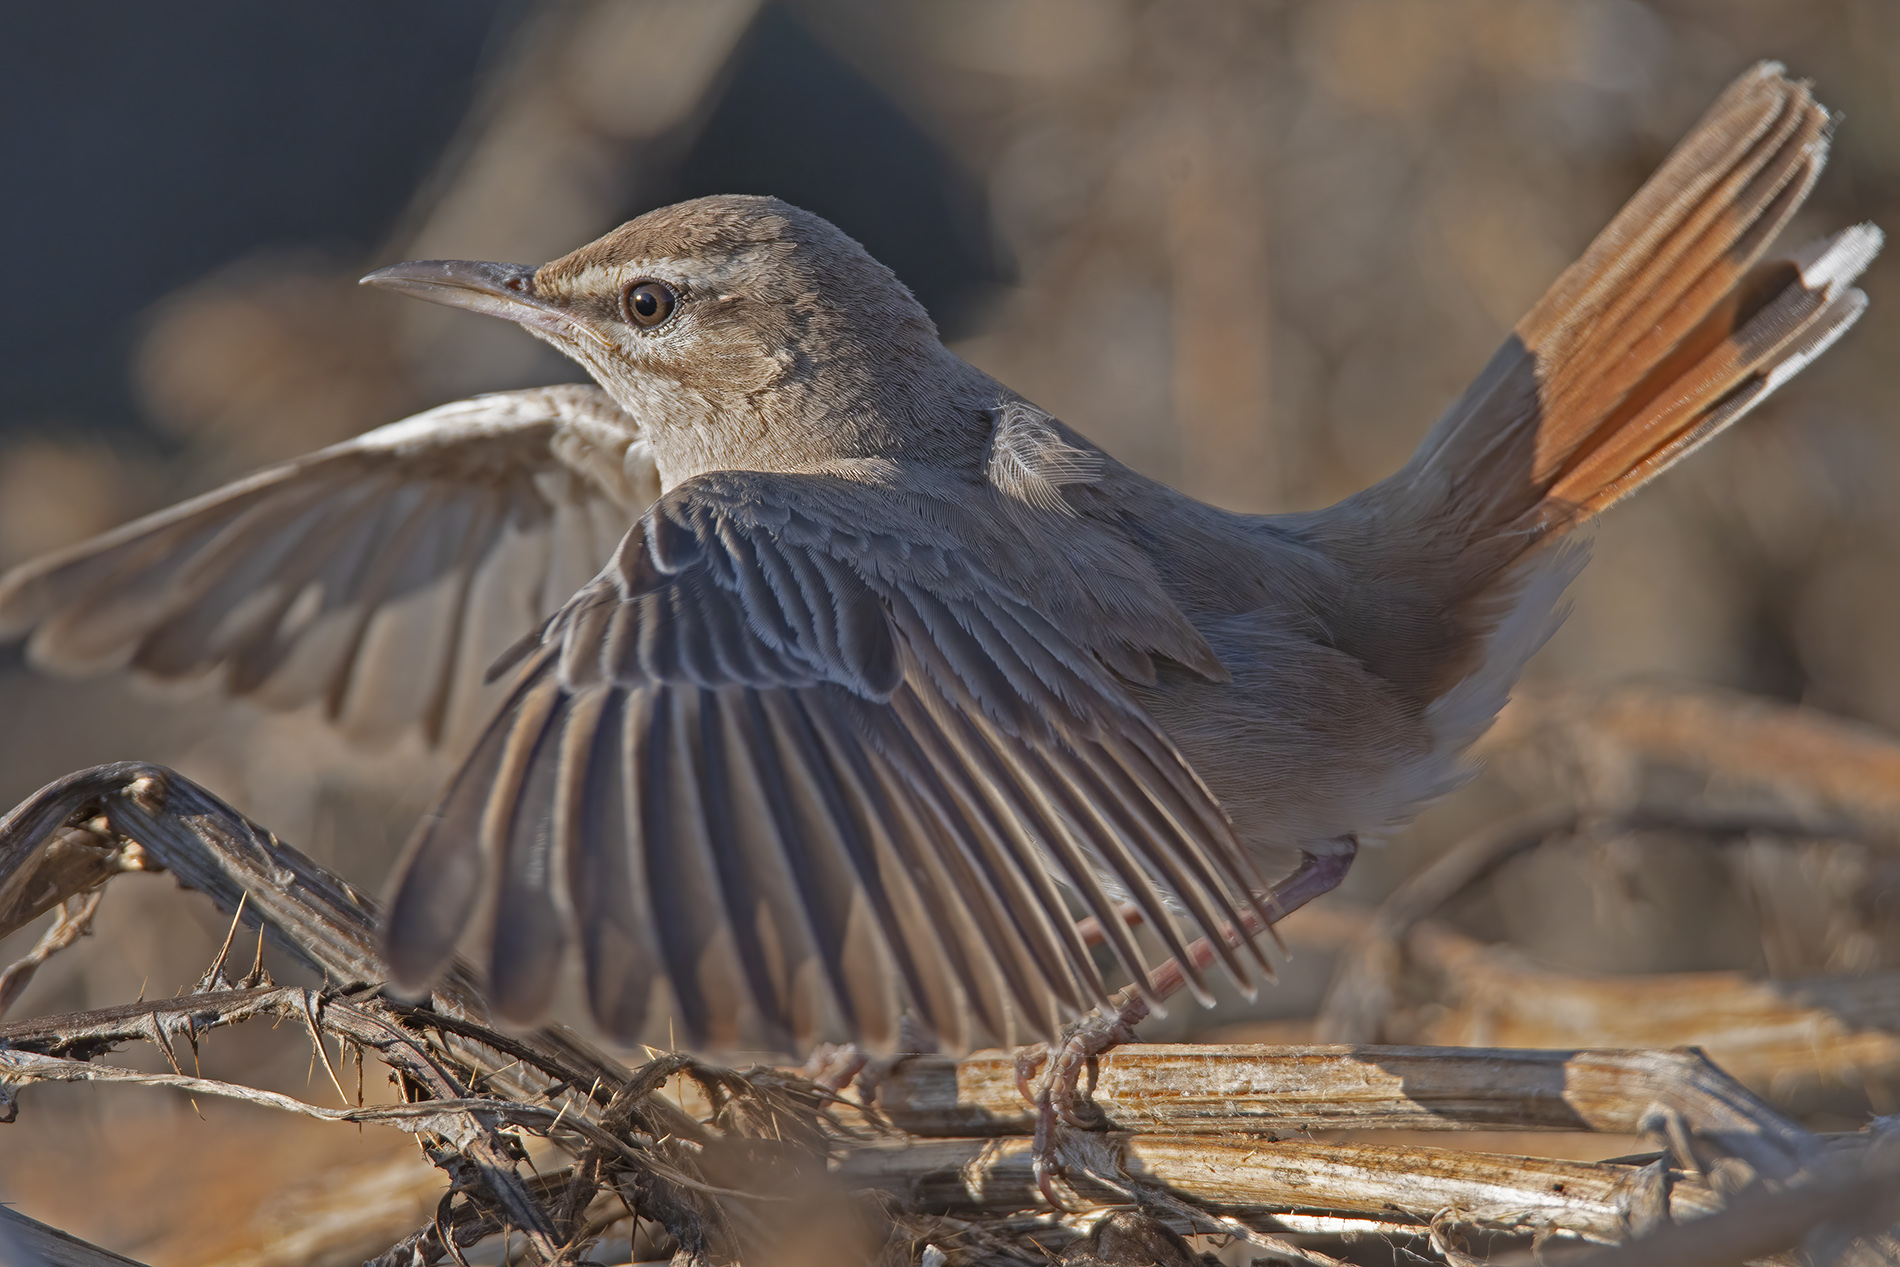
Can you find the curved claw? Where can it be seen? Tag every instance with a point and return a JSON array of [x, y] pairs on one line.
[[1042, 1156], [1029, 1062]]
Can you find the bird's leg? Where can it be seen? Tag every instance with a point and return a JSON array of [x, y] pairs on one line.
[[1054, 1096]]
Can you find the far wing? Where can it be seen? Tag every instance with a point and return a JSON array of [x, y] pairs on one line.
[[380, 576], [800, 757]]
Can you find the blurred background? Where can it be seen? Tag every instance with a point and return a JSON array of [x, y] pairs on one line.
[[1252, 247]]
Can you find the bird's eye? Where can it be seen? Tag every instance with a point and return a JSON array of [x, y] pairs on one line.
[[648, 304]]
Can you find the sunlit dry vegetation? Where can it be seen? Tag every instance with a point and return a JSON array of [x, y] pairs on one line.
[[1252, 248]]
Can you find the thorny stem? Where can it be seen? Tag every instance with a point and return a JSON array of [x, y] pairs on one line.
[[148, 818], [464, 1084]]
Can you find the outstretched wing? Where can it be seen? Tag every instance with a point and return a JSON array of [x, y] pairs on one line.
[[797, 754], [380, 576]]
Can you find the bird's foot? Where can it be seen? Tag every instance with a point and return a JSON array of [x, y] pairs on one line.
[[836, 1066], [833, 1066], [1057, 1096]]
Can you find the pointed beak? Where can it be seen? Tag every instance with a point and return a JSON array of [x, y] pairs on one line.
[[499, 290]]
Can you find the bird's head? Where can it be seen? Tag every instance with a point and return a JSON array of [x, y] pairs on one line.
[[727, 322]]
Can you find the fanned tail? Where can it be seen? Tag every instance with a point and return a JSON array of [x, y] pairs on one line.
[[1670, 327]]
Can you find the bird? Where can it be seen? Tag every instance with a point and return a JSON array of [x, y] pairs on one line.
[[839, 683]]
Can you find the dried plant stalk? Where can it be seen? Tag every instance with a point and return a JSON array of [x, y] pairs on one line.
[[28, 1243], [1199, 1133], [1823, 1029], [1834, 774], [1216, 1090], [1257, 1180]]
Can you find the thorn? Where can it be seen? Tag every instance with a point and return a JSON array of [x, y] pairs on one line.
[[257, 976], [159, 1038], [316, 1041], [163, 1042], [215, 972], [481, 1081]]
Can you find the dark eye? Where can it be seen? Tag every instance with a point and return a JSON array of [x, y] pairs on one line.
[[649, 303]]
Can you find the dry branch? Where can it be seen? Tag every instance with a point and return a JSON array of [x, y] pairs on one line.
[[1200, 1135], [1840, 1215], [1822, 1030], [1835, 775], [1258, 1181], [1279, 1090], [75, 921], [1366, 989], [26, 1242], [149, 818]]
